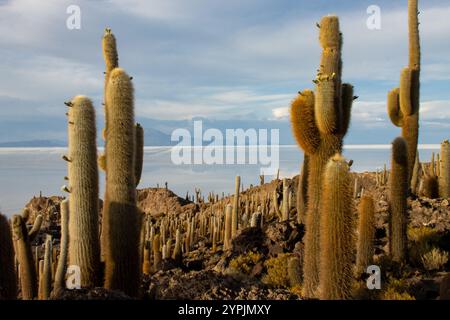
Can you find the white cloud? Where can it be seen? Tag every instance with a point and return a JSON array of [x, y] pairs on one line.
[[280, 113]]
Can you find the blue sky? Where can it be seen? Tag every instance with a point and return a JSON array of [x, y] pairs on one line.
[[221, 60]]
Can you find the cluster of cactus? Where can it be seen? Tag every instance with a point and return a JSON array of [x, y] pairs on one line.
[[403, 102], [319, 122]]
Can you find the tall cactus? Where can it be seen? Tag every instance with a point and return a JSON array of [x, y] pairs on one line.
[[444, 171], [8, 285], [398, 193], [235, 214], [47, 272], [319, 123], [366, 234], [336, 234], [23, 238], [63, 249], [111, 58], [403, 102], [120, 219], [302, 191], [139, 153], [84, 247]]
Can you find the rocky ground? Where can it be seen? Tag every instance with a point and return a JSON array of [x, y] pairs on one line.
[[256, 266]]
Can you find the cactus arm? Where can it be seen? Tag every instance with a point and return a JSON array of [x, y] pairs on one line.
[[393, 107], [414, 38], [8, 285], [62, 261], [101, 160], [36, 227], [303, 123]]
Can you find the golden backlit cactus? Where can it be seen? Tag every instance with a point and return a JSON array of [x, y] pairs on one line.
[[403, 102], [84, 246], [23, 238], [63, 249], [139, 153], [121, 223], [285, 207], [319, 123], [8, 285], [366, 234], [336, 236], [398, 193], [444, 171]]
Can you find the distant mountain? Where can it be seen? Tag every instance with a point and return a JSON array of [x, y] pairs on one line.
[[33, 143]]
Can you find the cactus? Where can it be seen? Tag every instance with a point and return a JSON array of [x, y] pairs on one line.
[[23, 238], [235, 214], [415, 175], [84, 247], [177, 255], [120, 217], [336, 234], [403, 102], [146, 267], [285, 208], [228, 227], [366, 234], [63, 248], [398, 192], [8, 285], [444, 171], [111, 58], [139, 153], [319, 122], [156, 253], [302, 191], [47, 271], [295, 271]]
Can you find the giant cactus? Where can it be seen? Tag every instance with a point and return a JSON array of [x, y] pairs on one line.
[[319, 123], [120, 219], [23, 238], [444, 171], [403, 102], [336, 232], [63, 248], [8, 286], [84, 247], [366, 234], [398, 193]]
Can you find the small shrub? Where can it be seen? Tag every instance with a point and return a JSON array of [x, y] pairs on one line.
[[391, 294], [277, 271], [244, 263], [435, 259], [422, 240]]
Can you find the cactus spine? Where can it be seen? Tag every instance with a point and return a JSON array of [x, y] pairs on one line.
[[63, 248], [84, 247], [319, 122], [336, 236], [366, 234], [121, 220], [27, 271], [403, 102], [235, 216], [444, 171], [8, 286], [398, 184]]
